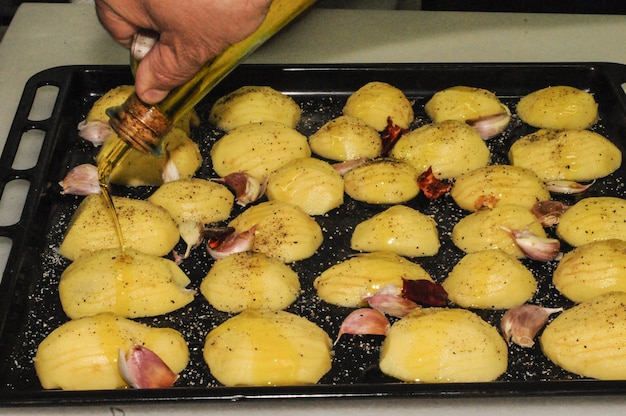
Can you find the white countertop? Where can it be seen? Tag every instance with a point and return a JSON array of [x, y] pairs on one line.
[[42, 36]]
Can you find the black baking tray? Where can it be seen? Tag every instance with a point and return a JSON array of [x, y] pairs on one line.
[[29, 305]]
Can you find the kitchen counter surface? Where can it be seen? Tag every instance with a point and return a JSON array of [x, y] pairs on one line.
[[42, 36]]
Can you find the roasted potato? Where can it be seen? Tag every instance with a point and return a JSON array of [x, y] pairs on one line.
[[267, 348], [250, 280], [129, 284], [399, 229], [442, 345], [450, 148], [558, 107]]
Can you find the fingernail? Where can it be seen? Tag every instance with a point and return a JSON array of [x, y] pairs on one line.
[[154, 96]]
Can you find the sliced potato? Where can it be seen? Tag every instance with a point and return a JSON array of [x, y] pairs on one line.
[[142, 169], [558, 107], [592, 219], [258, 149], [490, 279], [450, 148], [346, 138], [254, 104], [507, 184], [267, 348], [441, 345], [283, 231], [589, 338], [591, 270], [194, 199], [250, 280], [347, 283], [129, 284], [573, 155], [146, 227], [376, 101], [312, 184], [83, 354], [382, 181], [482, 230], [399, 229], [463, 103]]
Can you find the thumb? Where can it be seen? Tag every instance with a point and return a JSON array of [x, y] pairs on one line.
[[159, 72]]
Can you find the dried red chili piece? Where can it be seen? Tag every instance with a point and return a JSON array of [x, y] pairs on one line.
[[432, 187], [424, 292], [390, 135], [486, 202]]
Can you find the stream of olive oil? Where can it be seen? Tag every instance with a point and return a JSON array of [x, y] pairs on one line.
[[109, 160]]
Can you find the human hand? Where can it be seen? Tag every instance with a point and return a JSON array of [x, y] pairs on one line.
[[191, 33]]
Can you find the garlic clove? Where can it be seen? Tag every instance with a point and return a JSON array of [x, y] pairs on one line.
[[170, 171], [222, 242], [491, 126], [141, 368], [344, 167], [535, 247], [567, 187], [191, 233], [549, 212], [95, 132], [364, 321], [82, 180], [390, 301], [247, 188], [521, 324]]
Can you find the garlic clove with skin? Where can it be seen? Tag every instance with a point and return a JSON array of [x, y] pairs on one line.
[[491, 126], [521, 324], [82, 180], [95, 131], [222, 242], [247, 188], [364, 321], [141, 368], [567, 187], [535, 247], [549, 212], [389, 300]]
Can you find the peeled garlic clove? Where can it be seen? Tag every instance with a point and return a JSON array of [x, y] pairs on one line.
[[491, 126], [567, 187], [141, 368], [535, 247], [191, 233], [225, 241], [170, 171], [521, 324], [81, 180], [364, 321], [389, 300], [549, 212], [247, 188], [95, 131]]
